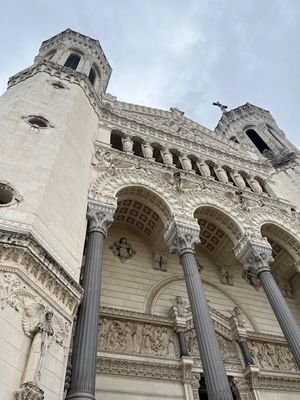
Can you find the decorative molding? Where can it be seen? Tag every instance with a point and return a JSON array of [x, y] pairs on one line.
[[21, 252], [181, 237], [100, 216], [254, 255], [17, 295], [143, 369]]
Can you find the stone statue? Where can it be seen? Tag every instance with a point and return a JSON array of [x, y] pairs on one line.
[[221, 174], [238, 180], [251, 278], [179, 306], [147, 150], [37, 323], [122, 249], [238, 317], [203, 168], [226, 276], [160, 262], [127, 144], [255, 185], [185, 162], [166, 156]]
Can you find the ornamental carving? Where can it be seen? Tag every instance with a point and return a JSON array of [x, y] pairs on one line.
[[179, 308], [160, 262], [137, 338], [100, 217], [226, 275], [122, 249], [21, 252], [17, 295], [227, 347], [181, 236], [251, 278], [255, 255], [272, 357]]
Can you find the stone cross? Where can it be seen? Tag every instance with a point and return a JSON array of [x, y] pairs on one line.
[[218, 104]]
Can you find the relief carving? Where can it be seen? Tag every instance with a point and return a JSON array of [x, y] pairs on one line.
[[251, 278], [226, 275], [179, 307], [137, 338], [160, 262], [272, 357], [227, 347], [122, 249]]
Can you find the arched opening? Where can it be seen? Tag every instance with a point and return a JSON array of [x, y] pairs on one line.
[[286, 254], [92, 76], [255, 138], [72, 61], [115, 140], [137, 147], [218, 232]]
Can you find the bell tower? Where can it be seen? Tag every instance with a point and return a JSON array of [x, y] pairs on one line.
[[257, 129], [49, 120]]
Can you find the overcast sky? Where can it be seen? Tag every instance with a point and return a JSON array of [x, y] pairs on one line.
[[183, 53]]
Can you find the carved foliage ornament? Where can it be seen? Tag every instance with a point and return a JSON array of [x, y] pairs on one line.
[[100, 217], [255, 256], [181, 237]]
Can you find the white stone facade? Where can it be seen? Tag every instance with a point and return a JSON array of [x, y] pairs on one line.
[[65, 143]]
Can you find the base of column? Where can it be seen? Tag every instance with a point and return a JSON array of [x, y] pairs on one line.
[[79, 395]]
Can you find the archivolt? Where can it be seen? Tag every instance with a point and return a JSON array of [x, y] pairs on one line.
[[161, 285]]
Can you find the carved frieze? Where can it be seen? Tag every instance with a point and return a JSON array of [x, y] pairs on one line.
[[142, 369], [269, 356], [129, 337]]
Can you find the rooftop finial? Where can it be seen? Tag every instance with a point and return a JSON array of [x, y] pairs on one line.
[[222, 106]]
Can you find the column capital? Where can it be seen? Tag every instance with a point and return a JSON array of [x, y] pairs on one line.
[[181, 238], [255, 255], [100, 217]]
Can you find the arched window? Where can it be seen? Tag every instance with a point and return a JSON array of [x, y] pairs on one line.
[[92, 76], [72, 61], [115, 141], [260, 144]]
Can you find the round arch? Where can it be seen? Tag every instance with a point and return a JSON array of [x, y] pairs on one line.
[[160, 286], [220, 217], [281, 235]]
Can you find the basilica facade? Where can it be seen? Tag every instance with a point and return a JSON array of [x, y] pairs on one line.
[[142, 255]]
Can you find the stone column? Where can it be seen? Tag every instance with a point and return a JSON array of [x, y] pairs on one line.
[[84, 351], [256, 256], [181, 238]]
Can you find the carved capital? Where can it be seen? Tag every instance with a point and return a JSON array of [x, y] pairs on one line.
[[100, 217], [181, 237], [255, 255]]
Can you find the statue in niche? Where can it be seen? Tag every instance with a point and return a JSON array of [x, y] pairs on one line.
[[251, 278], [179, 306], [238, 317], [226, 276], [122, 249], [37, 323], [160, 262], [286, 288]]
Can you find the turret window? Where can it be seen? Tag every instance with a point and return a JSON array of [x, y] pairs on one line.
[[72, 61], [92, 76], [259, 143]]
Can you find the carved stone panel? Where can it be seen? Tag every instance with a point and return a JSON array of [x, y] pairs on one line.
[[129, 337], [270, 356]]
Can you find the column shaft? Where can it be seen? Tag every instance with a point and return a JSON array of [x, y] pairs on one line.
[[246, 353], [84, 352], [182, 344], [214, 372], [283, 314]]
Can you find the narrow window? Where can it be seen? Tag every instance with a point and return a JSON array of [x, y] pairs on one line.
[[72, 61], [92, 76], [257, 140], [115, 141]]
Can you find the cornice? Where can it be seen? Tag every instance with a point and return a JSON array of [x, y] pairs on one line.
[[135, 316]]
